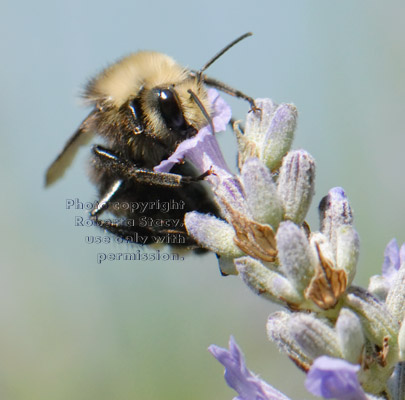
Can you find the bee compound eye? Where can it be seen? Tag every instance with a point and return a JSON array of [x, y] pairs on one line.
[[171, 110]]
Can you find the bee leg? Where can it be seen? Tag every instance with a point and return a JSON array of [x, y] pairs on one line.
[[108, 196], [106, 159]]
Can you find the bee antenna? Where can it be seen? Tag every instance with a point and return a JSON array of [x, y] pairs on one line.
[[220, 53], [202, 108]]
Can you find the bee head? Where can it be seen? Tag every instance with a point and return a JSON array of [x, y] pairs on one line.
[[171, 111]]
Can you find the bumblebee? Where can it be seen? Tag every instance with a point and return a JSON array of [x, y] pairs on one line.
[[143, 106]]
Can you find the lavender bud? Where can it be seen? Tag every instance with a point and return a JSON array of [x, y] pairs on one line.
[[212, 233], [278, 332], [350, 336], [314, 335], [265, 282], [376, 319], [334, 211], [296, 184], [230, 196], [258, 123], [279, 136], [392, 260], [261, 193], [396, 296], [347, 250], [294, 254], [250, 142], [268, 134]]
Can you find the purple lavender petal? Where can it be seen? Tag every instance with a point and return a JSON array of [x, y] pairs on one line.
[[203, 149], [222, 113], [338, 194], [391, 260], [239, 378], [402, 255], [334, 378], [167, 165]]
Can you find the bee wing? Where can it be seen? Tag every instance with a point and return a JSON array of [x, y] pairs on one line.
[[81, 137]]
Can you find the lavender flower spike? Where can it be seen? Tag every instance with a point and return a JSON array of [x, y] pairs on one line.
[[239, 378], [333, 378]]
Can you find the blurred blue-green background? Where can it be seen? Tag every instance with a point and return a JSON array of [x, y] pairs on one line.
[[75, 329]]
